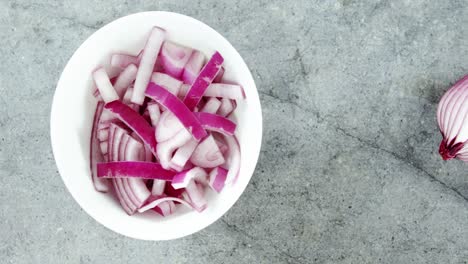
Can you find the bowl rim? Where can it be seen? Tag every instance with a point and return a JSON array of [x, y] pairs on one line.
[[57, 152]]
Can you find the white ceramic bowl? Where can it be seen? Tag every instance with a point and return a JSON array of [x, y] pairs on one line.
[[72, 113]]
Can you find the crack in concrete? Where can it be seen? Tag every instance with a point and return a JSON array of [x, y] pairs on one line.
[[402, 159], [75, 22], [373, 145]]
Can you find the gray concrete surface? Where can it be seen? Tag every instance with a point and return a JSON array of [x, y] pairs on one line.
[[348, 171]]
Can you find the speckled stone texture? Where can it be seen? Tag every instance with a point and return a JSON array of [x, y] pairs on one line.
[[349, 170]]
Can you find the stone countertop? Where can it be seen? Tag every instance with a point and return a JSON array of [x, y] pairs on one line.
[[349, 170]]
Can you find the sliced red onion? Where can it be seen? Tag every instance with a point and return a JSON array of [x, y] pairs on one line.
[[452, 117], [95, 154], [226, 107], [133, 191], [196, 197], [174, 57], [107, 117], [211, 106], [233, 159], [168, 82], [154, 201], [207, 154], [170, 191], [106, 90], [116, 133], [103, 134], [183, 90], [154, 113], [127, 187], [223, 90], [123, 146], [129, 201], [103, 125], [193, 67], [182, 155], [221, 144], [129, 207], [104, 147], [182, 179], [134, 150], [133, 169], [123, 202], [122, 61], [125, 79], [203, 80], [158, 187], [135, 121], [228, 91], [219, 76], [216, 123], [217, 178], [127, 96], [173, 104], [148, 154], [112, 75], [164, 208], [139, 190], [166, 148], [147, 62], [167, 127]]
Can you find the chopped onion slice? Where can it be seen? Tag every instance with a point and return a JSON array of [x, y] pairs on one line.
[[103, 134], [123, 146], [220, 75], [173, 104], [154, 201], [154, 113], [138, 190], [196, 196], [158, 187], [207, 154], [123, 189], [106, 90], [123, 199], [228, 91], [170, 83], [211, 106], [217, 178], [147, 62], [104, 147], [125, 79], [165, 208], [223, 90], [122, 61], [182, 155], [174, 57], [95, 155], [117, 133], [135, 121], [233, 159], [193, 67], [203, 80], [226, 107], [166, 148], [133, 169], [216, 123], [134, 150], [127, 96], [167, 127], [182, 179]]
